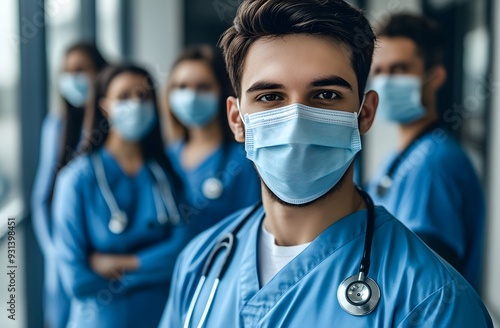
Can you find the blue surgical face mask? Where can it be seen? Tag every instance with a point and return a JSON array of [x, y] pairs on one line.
[[74, 87], [193, 108], [132, 119], [400, 97], [301, 152]]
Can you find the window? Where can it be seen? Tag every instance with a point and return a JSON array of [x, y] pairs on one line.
[[62, 29], [109, 28], [10, 175]]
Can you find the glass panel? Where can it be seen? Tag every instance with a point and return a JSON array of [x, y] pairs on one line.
[[62, 29], [476, 90], [10, 38], [108, 28], [11, 204]]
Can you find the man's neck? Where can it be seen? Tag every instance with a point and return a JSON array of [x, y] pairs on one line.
[[409, 132], [293, 225]]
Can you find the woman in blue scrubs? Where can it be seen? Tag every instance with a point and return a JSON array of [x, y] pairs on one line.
[[212, 165], [61, 133], [117, 224]]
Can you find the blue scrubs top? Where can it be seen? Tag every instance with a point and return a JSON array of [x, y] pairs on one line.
[[81, 228], [437, 194], [417, 287], [237, 174], [56, 300]]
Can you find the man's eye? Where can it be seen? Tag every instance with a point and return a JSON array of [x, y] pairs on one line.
[[204, 87], [327, 95], [123, 96], [269, 97], [142, 95]]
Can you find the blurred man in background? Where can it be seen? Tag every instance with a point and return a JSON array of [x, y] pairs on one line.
[[429, 182]]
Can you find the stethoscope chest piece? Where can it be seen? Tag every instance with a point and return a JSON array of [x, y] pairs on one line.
[[358, 295], [118, 222], [212, 188]]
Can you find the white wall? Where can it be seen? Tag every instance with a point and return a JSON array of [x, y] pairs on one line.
[[491, 288], [157, 34]]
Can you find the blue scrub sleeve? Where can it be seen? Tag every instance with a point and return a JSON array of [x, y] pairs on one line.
[[186, 274], [432, 208], [71, 241], [157, 262], [172, 315], [453, 305], [40, 198]]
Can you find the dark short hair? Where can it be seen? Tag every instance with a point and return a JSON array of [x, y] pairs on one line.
[[334, 19], [425, 32], [212, 57]]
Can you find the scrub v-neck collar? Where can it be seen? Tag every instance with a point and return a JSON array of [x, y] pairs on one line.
[[203, 165], [256, 302], [112, 168]]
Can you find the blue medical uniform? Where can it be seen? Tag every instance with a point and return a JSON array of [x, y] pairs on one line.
[[241, 184], [81, 228], [437, 194], [56, 300], [417, 287]]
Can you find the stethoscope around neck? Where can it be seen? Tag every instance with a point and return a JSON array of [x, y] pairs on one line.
[[166, 209], [358, 294], [386, 182]]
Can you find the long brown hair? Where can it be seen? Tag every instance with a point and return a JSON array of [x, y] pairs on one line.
[[73, 116], [97, 125]]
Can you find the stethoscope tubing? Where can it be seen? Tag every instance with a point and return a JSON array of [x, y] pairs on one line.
[[387, 180], [162, 188], [364, 266], [228, 242]]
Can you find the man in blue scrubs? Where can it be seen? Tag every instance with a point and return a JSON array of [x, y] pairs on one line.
[[428, 183], [299, 70]]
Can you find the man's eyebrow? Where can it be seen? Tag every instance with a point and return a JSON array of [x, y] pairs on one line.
[[331, 81], [401, 63], [264, 85]]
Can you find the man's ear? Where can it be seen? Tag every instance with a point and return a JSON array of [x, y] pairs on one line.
[[104, 107], [234, 119], [368, 111], [437, 77]]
